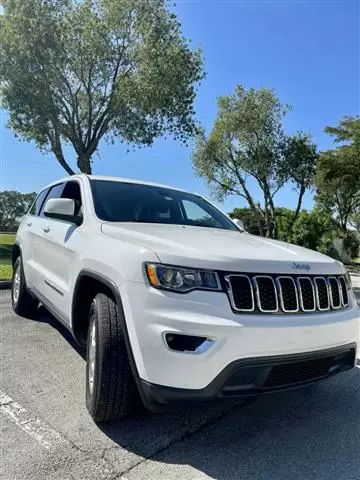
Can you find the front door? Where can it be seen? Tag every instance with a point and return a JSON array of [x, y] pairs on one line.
[[55, 252]]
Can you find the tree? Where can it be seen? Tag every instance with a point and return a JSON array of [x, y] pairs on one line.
[[298, 167], [77, 71], [13, 205], [312, 229], [338, 174], [248, 141], [250, 220], [355, 220]]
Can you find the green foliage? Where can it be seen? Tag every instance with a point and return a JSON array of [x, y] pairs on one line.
[[13, 205], [338, 174], [348, 130], [248, 141], [77, 71], [250, 220], [5, 271], [314, 229], [6, 242], [355, 220], [352, 243]]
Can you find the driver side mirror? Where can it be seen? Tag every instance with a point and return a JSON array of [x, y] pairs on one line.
[[239, 223], [62, 209]]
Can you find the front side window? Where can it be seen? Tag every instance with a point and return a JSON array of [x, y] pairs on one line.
[[55, 192], [72, 191], [36, 206], [132, 202]]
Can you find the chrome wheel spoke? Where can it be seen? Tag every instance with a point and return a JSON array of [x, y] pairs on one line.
[[92, 357], [16, 285]]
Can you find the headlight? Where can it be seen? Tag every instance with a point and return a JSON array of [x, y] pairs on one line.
[[181, 279], [348, 280]]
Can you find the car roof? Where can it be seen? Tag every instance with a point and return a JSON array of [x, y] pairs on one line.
[[114, 179]]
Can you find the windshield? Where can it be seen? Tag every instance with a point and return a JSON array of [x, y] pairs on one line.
[[132, 202]]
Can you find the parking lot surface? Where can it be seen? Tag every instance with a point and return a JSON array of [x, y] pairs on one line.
[[46, 433]]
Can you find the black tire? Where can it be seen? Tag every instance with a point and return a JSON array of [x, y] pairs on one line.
[[111, 392], [23, 303]]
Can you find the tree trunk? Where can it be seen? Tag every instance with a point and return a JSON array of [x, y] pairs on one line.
[[84, 163], [65, 166], [296, 214]]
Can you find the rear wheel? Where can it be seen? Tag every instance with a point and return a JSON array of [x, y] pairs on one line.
[[22, 302], [111, 392]]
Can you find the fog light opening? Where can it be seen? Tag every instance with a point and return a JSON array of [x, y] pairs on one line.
[[188, 343]]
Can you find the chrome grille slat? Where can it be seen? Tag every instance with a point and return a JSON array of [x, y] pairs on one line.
[[319, 283], [289, 294], [281, 293], [235, 304], [344, 292], [260, 295], [302, 292], [334, 291]]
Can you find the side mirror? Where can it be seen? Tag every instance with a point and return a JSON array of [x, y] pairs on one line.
[[62, 209], [239, 223]]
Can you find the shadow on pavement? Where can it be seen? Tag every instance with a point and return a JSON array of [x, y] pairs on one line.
[[44, 316], [310, 433]]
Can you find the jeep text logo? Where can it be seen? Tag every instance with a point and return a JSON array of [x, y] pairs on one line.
[[301, 266]]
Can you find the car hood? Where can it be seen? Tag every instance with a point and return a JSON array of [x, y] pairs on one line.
[[218, 249]]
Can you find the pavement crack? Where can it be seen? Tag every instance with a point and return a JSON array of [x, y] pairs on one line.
[[175, 440]]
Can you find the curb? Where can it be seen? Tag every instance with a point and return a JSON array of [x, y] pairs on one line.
[[5, 285]]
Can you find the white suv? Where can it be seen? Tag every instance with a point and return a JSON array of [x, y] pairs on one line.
[[173, 300]]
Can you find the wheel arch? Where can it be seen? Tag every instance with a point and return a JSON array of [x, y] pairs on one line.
[[15, 254], [87, 285]]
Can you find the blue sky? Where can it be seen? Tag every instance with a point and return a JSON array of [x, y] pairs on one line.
[[308, 51]]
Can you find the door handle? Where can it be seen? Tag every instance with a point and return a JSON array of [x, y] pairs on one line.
[[46, 229]]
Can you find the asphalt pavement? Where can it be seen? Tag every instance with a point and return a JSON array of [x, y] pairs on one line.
[[46, 433]]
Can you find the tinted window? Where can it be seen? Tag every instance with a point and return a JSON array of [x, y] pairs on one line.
[[132, 202], [196, 214], [36, 206], [72, 191], [55, 192]]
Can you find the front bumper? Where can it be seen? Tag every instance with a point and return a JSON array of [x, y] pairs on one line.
[[150, 313], [256, 376]]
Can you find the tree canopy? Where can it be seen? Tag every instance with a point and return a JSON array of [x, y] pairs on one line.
[[312, 229], [13, 205], [77, 71], [248, 141], [338, 174]]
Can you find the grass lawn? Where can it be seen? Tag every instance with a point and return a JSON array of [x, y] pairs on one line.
[[6, 243], [357, 260]]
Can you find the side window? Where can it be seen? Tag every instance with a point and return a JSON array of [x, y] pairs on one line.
[[196, 215], [72, 191], [55, 192], [36, 206]]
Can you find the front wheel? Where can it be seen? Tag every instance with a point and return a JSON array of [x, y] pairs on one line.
[[111, 392], [22, 302]]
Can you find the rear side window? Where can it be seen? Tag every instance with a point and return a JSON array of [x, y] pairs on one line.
[[36, 206], [55, 192]]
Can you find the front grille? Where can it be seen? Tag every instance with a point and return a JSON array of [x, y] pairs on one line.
[[286, 293]]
